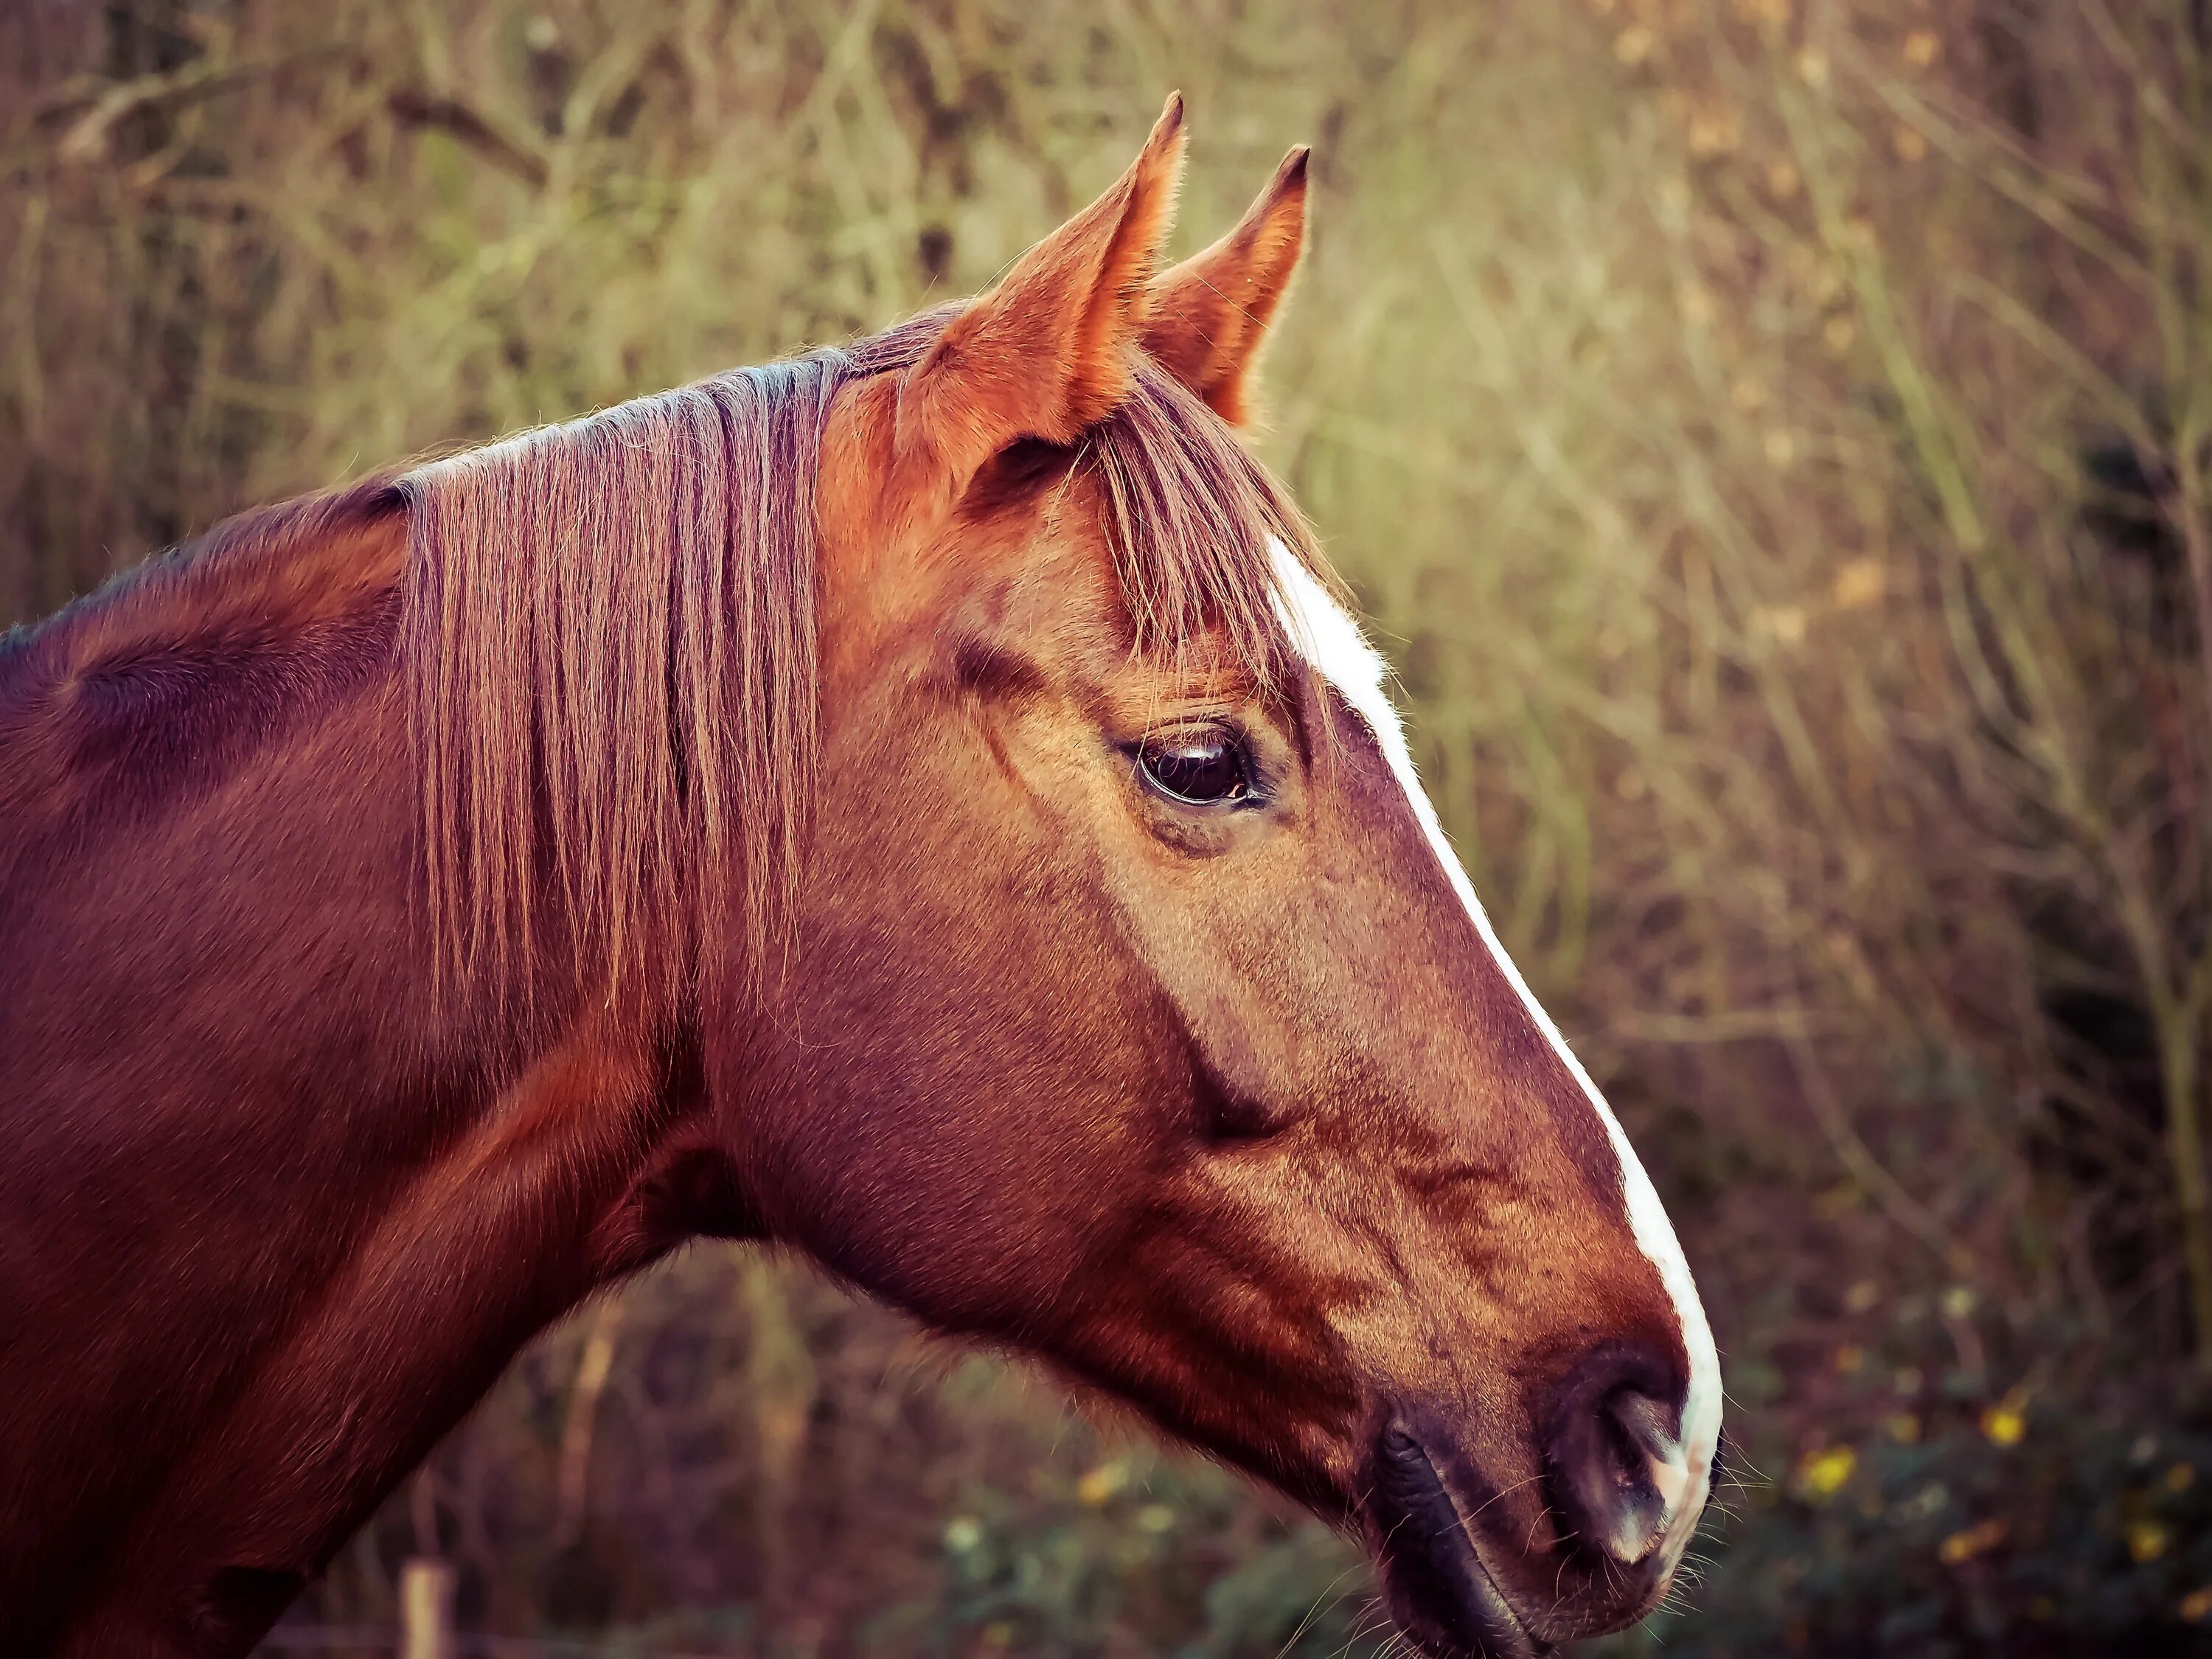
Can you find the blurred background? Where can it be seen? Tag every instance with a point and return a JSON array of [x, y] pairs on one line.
[[1773, 439]]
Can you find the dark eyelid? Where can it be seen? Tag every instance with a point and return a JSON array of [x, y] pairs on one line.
[[1256, 790]]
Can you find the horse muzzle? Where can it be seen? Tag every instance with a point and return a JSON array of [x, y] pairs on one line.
[[1471, 1571]]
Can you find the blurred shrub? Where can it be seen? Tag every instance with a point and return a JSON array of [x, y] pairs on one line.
[[2080, 1537], [1773, 440], [1929, 1520]]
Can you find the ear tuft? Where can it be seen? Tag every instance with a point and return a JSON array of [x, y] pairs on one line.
[[1046, 353], [1209, 316]]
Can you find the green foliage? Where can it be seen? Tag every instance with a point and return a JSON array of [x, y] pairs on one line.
[[2083, 1536]]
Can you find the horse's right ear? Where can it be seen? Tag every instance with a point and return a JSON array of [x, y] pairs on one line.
[[1046, 352]]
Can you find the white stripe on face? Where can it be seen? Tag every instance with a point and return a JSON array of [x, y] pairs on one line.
[[1331, 641]]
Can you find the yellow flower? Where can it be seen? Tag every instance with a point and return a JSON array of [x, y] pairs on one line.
[[2147, 1540], [1101, 1483], [2197, 1605], [1921, 48], [1967, 1543], [1826, 1472], [2005, 1424]]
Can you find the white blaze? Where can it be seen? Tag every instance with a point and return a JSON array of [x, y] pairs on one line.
[[1333, 644]]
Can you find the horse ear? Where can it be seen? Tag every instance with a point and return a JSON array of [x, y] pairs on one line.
[[1046, 352], [1209, 315]]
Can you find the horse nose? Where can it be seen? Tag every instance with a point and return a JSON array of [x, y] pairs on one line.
[[1620, 1474]]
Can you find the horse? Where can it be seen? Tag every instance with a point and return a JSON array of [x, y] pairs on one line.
[[924, 804]]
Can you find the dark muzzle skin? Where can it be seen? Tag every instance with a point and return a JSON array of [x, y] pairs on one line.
[[1438, 1589], [1471, 1575]]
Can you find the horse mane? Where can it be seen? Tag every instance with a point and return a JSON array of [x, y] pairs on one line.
[[607, 634]]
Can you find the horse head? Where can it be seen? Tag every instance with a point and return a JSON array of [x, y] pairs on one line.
[[1135, 1013]]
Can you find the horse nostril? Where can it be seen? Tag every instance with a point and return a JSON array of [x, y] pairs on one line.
[[1618, 1472]]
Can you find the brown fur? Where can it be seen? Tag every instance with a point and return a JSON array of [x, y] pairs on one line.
[[425, 903]]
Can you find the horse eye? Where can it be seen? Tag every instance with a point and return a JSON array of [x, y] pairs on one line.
[[1202, 768]]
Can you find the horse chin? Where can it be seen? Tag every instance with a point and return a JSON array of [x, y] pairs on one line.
[[1434, 1582], [1471, 1621]]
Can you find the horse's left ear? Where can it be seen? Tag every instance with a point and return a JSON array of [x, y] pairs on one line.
[[1209, 316], [1047, 352]]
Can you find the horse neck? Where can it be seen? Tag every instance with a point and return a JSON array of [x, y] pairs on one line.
[[257, 1150]]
